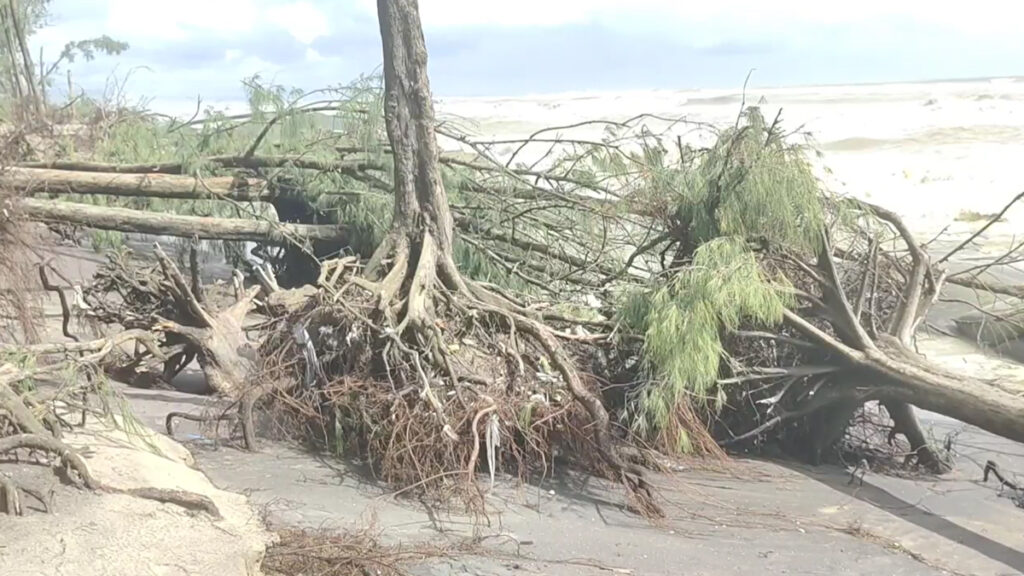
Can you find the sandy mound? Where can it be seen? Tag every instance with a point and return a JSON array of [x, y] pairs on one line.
[[113, 534]]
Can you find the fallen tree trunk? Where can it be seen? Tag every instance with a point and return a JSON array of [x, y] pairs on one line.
[[969, 401], [111, 183], [1014, 291], [145, 222], [895, 373], [177, 168]]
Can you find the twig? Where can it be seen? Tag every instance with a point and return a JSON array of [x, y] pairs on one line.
[[982, 230]]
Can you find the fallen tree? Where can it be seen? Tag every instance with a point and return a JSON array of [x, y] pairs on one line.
[[732, 294], [32, 181], [406, 322], [148, 222], [418, 305], [790, 308]]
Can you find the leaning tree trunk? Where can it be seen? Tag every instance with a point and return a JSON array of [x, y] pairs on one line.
[[885, 364], [421, 237]]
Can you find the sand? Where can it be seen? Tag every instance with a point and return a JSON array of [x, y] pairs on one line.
[[118, 534]]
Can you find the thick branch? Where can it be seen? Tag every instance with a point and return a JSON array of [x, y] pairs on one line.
[[906, 316], [1012, 290]]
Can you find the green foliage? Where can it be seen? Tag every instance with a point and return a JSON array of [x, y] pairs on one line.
[[682, 321], [751, 185], [87, 49], [24, 82], [283, 121], [754, 184]]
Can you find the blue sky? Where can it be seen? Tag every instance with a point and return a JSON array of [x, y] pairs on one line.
[[184, 48]]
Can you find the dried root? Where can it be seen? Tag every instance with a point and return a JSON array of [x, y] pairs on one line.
[[413, 362], [355, 553]]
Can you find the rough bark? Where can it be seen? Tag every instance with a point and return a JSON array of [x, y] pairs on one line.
[[225, 353], [420, 241], [980, 404], [145, 222], [421, 204]]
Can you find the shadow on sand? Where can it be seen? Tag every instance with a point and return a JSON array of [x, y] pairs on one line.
[[886, 501]]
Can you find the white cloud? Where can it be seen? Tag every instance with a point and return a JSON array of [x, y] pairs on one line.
[[797, 40], [304, 21], [155, 22], [313, 56], [977, 17], [170, 20]]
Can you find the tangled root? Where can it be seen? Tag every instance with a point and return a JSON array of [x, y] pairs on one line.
[[356, 552], [461, 380]]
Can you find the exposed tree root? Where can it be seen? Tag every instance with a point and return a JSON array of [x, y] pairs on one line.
[[181, 498], [172, 416], [417, 336], [41, 434], [70, 460], [860, 326]]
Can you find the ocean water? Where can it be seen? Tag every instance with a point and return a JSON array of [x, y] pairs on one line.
[[931, 151]]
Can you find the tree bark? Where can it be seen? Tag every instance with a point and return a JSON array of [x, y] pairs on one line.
[[42, 181], [144, 222], [37, 103], [177, 168], [976, 403], [420, 241], [420, 198]]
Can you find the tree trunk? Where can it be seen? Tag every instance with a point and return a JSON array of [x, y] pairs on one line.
[[156, 223], [421, 203], [420, 241], [976, 403], [37, 103], [42, 181], [177, 168]]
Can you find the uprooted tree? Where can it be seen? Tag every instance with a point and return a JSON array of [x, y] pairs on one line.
[[439, 317], [419, 305], [787, 305], [412, 309]]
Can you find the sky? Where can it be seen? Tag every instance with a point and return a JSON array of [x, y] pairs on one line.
[[184, 49]]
